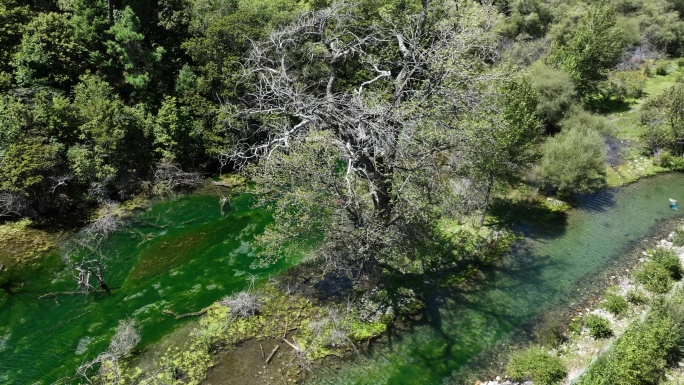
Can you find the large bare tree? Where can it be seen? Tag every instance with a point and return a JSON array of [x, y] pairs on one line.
[[356, 121]]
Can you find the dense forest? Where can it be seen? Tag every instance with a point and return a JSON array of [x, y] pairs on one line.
[[375, 119], [379, 133]]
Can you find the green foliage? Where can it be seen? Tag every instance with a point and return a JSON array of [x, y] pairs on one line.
[[599, 327], [573, 161], [668, 259], [665, 159], [556, 92], [654, 277], [537, 365], [662, 68], [128, 49], [615, 304], [26, 163], [49, 54], [622, 85], [663, 118], [636, 297], [678, 239], [526, 19], [14, 16], [639, 357], [593, 48]]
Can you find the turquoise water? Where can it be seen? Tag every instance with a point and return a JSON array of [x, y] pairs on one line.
[[555, 259], [179, 254]]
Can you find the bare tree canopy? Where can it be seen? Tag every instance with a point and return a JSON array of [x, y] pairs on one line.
[[359, 125]]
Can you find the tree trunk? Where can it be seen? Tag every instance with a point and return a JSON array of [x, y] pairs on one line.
[[110, 11], [490, 182]]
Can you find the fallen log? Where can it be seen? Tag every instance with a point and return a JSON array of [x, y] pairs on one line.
[[273, 352], [185, 315], [56, 293]]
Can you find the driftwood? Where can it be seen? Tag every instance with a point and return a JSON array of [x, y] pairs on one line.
[[223, 184], [293, 346], [262, 350], [74, 292], [273, 352], [185, 315]]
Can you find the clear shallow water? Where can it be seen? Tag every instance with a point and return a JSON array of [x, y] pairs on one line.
[[554, 260], [179, 254]]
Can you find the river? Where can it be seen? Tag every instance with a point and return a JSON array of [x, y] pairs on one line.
[[554, 261], [178, 254], [182, 254]]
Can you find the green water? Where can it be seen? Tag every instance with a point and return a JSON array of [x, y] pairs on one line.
[[179, 254], [555, 260]]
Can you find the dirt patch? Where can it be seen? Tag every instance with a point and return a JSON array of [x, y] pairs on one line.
[[246, 365]]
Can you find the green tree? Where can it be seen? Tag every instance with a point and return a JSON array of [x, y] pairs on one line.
[[573, 161], [594, 47], [663, 120], [13, 18], [113, 137], [128, 50], [359, 134], [49, 55], [556, 93], [26, 164], [503, 147]]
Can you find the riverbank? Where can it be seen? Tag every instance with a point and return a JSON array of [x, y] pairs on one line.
[[586, 337]]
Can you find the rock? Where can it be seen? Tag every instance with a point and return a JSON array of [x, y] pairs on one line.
[[498, 378]]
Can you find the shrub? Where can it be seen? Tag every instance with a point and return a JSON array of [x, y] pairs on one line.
[[662, 68], [243, 304], [550, 331], [575, 325], [665, 159], [536, 365], [669, 260], [678, 239], [623, 84], [599, 327], [556, 92], [680, 62], [636, 297], [639, 357], [654, 277], [573, 161], [615, 304]]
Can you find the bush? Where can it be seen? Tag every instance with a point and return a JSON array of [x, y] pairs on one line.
[[678, 239], [662, 68], [665, 159], [599, 327], [654, 277], [636, 297], [550, 332], [556, 92], [639, 357], [669, 260], [623, 85], [575, 325], [536, 365], [615, 304], [573, 161]]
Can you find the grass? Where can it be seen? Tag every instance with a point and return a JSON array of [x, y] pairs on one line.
[[629, 128], [628, 122]]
